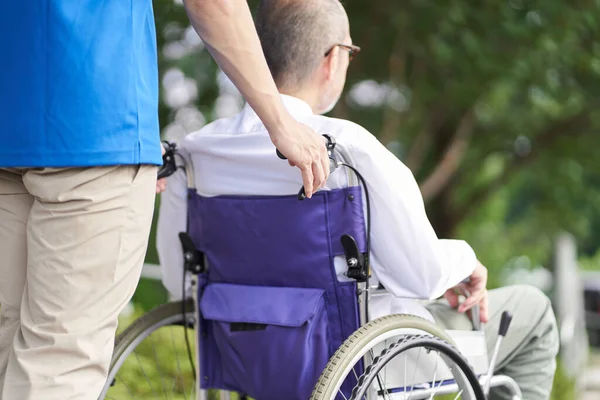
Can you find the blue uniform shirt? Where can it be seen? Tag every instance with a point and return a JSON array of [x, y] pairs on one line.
[[78, 83]]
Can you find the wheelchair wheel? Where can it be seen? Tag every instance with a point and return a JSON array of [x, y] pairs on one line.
[[398, 357], [150, 359]]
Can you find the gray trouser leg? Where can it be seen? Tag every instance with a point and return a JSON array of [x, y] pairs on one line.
[[528, 353]]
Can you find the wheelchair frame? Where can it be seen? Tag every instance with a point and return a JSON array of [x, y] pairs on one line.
[[363, 297], [364, 294]]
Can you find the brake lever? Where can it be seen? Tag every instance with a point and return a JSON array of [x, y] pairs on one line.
[[332, 163]]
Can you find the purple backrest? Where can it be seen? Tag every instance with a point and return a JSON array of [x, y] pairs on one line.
[[271, 293]]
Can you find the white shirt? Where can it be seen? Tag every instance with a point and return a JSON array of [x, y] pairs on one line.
[[235, 156]]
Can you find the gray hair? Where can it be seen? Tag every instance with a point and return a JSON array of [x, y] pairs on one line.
[[295, 34]]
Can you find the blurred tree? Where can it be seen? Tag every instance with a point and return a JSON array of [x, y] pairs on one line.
[[487, 91], [493, 105]]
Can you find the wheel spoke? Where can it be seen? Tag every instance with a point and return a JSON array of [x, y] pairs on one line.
[[162, 381], [434, 375], [178, 363], [126, 387], [382, 387], [355, 374], [145, 375], [414, 374], [405, 366], [386, 395]]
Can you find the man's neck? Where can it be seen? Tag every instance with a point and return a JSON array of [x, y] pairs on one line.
[[308, 96]]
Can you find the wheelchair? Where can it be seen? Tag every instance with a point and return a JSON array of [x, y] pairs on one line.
[[269, 319]]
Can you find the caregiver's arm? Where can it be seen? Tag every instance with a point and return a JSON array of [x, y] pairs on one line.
[[227, 30]]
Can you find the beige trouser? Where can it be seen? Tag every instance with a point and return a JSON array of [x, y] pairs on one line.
[[72, 243], [528, 353]]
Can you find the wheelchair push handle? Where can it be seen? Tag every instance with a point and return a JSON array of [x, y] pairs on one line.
[[332, 163], [169, 167]]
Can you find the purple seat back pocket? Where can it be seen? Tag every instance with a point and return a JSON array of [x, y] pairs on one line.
[[258, 329]]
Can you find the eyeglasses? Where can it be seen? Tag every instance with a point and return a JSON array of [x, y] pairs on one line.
[[352, 50]]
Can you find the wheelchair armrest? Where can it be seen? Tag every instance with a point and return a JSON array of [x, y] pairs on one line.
[[379, 290]]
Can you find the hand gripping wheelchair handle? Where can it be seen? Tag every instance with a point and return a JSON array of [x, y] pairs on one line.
[[169, 167], [332, 163]]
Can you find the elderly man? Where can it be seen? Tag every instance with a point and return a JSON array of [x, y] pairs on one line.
[[308, 48]]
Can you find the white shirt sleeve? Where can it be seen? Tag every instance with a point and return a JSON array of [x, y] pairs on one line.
[[407, 257], [172, 219]]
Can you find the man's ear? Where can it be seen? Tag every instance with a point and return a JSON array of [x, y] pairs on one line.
[[332, 63]]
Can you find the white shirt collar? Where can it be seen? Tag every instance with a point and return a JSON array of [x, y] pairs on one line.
[[295, 106]]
